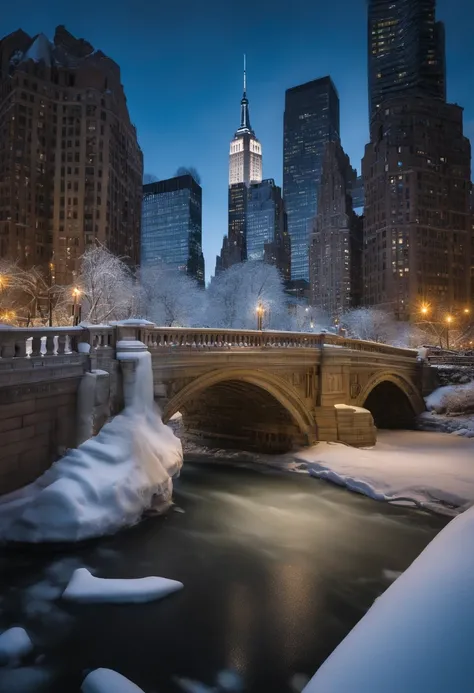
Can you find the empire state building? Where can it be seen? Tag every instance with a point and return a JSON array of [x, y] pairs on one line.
[[245, 169], [245, 155]]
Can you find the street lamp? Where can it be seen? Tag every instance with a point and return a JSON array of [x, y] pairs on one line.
[[260, 312], [449, 320], [75, 313]]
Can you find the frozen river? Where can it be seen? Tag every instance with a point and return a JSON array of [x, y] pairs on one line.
[[276, 570]]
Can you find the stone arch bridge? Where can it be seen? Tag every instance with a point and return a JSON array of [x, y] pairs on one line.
[[269, 391]]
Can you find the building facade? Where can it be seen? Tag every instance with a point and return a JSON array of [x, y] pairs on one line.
[[267, 228], [70, 165], [245, 168], [336, 241], [417, 229], [172, 226], [311, 120], [406, 51]]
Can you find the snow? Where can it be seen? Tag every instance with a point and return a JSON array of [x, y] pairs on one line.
[[15, 643], [430, 470], [418, 635], [39, 50], [105, 484], [108, 681], [84, 587], [434, 401]]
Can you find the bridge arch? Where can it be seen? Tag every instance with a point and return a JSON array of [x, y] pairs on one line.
[[393, 401], [243, 408]]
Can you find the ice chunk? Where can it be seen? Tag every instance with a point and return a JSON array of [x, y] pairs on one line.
[[15, 643], [108, 681], [86, 588]]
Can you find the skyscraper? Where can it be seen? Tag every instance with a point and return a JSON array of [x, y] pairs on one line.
[[406, 50], [336, 242], [267, 230], [172, 225], [245, 154], [416, 169], [70, 165], [245, 167], [417, 232], [311, 121]]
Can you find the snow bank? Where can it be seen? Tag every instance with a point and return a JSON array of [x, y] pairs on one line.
[[430, 470], [84, 587], [418, 635], [105, 484], [452, 399], [15, 643], [108, 681]]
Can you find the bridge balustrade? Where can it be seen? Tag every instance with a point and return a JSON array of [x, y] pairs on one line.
[[30, 342]]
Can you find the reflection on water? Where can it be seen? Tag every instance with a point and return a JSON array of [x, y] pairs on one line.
[[276, 568]]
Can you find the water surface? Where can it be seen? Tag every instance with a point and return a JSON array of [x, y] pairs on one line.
[[277, 569]]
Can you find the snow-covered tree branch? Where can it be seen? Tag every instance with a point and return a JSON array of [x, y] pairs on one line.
[[107, 287], [169, 297]]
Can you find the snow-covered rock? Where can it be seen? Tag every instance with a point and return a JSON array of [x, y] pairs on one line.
[[105, 484], [15, 644], [84, 587], [418, 635], [108, 681]]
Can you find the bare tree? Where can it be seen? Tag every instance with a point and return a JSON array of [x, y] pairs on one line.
[[169, 297], [107, 287]]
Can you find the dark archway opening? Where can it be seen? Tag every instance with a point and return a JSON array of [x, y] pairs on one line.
[[240, 415], [390, 407]]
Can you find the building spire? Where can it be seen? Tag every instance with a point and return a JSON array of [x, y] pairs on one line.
[[244, 104]]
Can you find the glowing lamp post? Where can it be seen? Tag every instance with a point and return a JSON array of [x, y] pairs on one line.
[[260, 312], [449, 320], [76, 308]]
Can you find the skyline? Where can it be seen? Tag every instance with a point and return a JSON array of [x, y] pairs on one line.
[[186, 104]]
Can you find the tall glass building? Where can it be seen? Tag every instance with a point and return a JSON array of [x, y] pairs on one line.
[[172, 225], [311, 120], [267, 230], [406, 51]]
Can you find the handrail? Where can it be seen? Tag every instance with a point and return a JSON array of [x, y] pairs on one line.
[[17, 342]]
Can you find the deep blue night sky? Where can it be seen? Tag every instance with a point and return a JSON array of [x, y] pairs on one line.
[[181, 65]]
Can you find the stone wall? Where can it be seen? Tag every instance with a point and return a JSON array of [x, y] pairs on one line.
[[37, 424]]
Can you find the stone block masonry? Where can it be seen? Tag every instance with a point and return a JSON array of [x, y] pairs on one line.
[[37, 424]]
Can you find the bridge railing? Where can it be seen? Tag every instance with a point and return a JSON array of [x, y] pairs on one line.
[[206, 338], [18, 342], [30, 342], [451, 360]]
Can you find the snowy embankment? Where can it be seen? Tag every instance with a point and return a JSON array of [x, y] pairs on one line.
[[418, 635], [451, 410], [105, 484]]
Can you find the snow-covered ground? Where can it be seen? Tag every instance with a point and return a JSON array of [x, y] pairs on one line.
[[105, 484], [431, 470], [418, 635]]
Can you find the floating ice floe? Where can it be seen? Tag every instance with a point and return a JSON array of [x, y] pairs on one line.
[[15, 643], [84, 587], [108, 681]]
